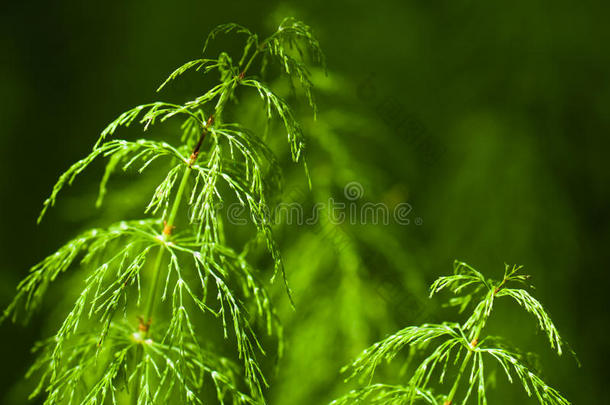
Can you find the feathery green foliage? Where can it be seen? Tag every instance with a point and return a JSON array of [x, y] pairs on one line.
[[459, 346], [101, 352]]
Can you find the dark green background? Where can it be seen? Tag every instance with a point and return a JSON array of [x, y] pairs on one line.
[[512, 96]]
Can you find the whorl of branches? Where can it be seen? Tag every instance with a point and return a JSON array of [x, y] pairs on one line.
[[461, 350]]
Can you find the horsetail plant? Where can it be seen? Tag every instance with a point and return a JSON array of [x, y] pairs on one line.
[[463, 347], [132, 333]]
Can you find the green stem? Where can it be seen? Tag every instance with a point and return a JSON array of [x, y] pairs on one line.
[[150, 306], [250, 61], [167, 230], [258, 50]]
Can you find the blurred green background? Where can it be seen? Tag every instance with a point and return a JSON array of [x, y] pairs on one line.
[[490, 119]]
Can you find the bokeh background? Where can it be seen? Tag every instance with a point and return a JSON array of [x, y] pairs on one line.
[[490, 119]]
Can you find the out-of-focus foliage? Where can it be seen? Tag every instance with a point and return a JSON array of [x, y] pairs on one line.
[[347, 269]]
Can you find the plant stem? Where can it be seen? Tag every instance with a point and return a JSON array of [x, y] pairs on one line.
[[152, 293], [250, 61], [258, 50], [150, 306], [167, 230]]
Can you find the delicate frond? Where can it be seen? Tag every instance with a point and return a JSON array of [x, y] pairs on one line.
[[532, 383], [225, 29], [534, 307], [162, 194], [294, 33], [68, 177], [196, 64], [383, 394], [463, 276], [150, 114], [31, 290], [440, 357], [275, 103], [480, 314], [86, 246], [294, 67], [387, 349], [143, 152], [205, 98]]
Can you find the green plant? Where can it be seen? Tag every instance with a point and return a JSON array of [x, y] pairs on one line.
[[118, 343], [461, 345]]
